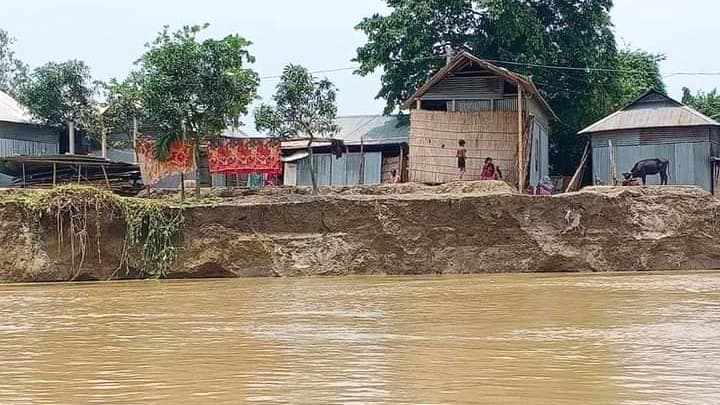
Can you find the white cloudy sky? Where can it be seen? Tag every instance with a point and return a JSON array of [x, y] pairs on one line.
[[110, 35]]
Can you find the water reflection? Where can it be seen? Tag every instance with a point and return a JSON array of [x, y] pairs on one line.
[[506, 339]]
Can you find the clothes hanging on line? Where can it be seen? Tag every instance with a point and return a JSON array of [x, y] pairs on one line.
[[180, 160], [245, 156]]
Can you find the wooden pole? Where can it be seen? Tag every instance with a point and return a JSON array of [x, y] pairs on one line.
[[402, 162], [54, 174], [134, 139], [613, 167], [107, 181], [521, 149], [79, 173], [23, 169], [361, 179], [182, 186], [103, 146]]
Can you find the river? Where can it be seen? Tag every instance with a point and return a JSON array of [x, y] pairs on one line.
[[495, 339]]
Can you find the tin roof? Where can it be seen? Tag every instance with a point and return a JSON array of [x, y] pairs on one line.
[[371, 129], [651, 110], [461, 60], [12, 111]]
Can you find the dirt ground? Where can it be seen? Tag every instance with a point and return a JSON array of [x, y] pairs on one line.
[[457, 228]]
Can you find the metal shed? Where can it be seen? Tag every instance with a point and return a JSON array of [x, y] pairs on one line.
[[656, 126], [375, 145]]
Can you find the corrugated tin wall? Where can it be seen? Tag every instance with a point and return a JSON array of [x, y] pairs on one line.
[[466, 87], [539, 154], [341, 172], [9, 147], [21, 139], [689, 154]]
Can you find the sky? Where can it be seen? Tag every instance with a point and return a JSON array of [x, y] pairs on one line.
[[319, 34]]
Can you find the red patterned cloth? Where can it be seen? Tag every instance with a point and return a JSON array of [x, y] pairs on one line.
[[181, 160], [245, 156]]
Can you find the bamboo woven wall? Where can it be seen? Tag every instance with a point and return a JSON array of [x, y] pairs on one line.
[[434, 137]]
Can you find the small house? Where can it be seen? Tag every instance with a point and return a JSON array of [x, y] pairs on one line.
[[373, 145], [498, 113], [656, 126]]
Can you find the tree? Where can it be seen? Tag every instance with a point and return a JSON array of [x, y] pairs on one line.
[[304, 106], [13, 72], [638, 71], [60, 94], [195, 89], [707, 103], [408, 44]]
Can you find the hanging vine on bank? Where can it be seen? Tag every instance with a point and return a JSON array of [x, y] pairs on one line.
[[152, 226]]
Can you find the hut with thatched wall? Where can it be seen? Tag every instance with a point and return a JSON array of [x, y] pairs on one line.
[[498, 113]]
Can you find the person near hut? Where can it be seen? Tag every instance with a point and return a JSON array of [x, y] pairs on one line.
[[394, 177], [546, 186], [461, 158], [489, 171]]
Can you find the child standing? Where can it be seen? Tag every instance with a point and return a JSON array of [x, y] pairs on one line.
[[461, 158]]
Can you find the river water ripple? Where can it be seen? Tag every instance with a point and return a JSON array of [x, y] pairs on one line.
[[496, 339]]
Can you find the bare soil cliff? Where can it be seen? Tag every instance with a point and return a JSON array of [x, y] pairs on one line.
[[454, 229]]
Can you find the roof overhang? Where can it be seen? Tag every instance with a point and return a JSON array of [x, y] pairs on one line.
[[701, 119], [463, 59]]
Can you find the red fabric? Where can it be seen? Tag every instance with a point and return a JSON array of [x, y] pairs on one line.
[[488, 172], [180, 160], [245, 156]]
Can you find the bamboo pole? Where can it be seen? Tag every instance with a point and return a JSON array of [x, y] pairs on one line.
[[54, 174], [521, 149], [79, 173]]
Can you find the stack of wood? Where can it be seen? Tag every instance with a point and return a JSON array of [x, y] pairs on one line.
[[48, 171]]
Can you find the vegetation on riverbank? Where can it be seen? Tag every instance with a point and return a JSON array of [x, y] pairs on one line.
[[76, 212]]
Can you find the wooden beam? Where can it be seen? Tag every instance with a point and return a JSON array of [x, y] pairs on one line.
[[107, 181], [419, 104]]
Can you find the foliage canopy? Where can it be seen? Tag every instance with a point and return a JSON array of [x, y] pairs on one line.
[[193, 87]]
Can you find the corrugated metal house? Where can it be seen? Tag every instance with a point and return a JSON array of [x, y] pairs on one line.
[[20, 135], [375, 145], [656, 126], [498, 113]]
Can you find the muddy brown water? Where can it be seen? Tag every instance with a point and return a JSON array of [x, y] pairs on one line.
[[496, 339]]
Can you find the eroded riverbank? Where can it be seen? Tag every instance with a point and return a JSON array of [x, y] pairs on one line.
[[456, 229]]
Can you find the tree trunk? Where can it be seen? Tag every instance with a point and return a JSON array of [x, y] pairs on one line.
[[312, 168]]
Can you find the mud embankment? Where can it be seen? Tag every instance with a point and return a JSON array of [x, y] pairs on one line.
[[459, 229]]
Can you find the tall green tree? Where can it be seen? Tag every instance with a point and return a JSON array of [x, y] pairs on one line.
[[60, 94], [408, 44], [13, 72], [638, 71], [195, 88], [707, 103], [304, 106]]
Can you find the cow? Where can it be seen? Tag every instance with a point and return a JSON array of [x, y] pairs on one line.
[[647, 167]]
